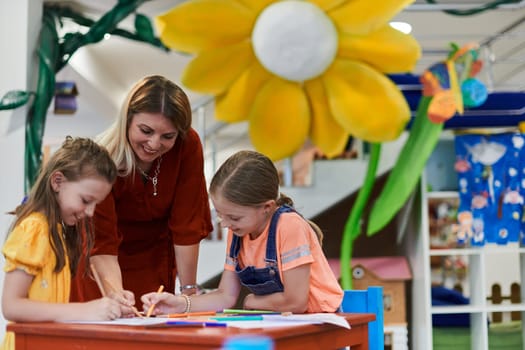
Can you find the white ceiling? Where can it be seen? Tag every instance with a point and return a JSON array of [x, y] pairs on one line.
[[433, 29], [501, 34], [112, 66]]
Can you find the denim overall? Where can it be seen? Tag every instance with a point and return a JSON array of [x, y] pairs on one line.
[[262, 281]]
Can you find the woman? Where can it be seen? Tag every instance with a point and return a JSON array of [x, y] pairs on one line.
[[148, 229]]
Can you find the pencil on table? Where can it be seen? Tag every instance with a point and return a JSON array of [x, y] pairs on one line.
[[112, 286], [152, 306], [97, 279], [189, 314]]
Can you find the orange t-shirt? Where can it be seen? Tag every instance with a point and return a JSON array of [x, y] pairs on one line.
[[297, 244]]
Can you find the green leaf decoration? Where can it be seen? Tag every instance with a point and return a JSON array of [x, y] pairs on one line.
[[403, 178], [144, 28], [14, 99]]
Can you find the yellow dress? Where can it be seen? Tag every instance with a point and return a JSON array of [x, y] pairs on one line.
[[28, 248]]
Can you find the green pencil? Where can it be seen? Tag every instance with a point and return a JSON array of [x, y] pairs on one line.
[[241, 311], [238, 318]]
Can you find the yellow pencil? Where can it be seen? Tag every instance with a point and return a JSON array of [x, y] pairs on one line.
[[152, 306]]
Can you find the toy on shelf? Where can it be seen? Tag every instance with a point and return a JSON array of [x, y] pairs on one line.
[[442, 219], [391, 273]]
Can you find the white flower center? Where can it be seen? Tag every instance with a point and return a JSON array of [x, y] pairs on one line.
[[295, 40]]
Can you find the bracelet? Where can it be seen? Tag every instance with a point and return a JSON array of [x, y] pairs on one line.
[[188, 303], [188, 286]]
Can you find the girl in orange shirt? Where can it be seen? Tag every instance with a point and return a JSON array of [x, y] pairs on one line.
[[272, 250]]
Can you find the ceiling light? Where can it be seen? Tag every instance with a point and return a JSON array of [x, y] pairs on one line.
[[403, 27]]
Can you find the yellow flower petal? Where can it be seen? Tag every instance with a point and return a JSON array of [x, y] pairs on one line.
[[279, 119], [328, 5], [213, 71], [365, 103], [387, 49], [198, 25], [361, 17], [325, 132], [234, 105], [257, 5]]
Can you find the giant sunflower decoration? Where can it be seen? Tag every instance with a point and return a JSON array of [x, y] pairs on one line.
[[297, 69]]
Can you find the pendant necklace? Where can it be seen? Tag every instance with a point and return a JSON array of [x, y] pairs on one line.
[[154, 179]]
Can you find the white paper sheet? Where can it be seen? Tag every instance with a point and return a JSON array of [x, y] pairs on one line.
[[268, 321], [311, 319], [291, 320]]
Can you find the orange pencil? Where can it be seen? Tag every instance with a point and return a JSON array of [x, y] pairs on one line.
[[152, 306], [190, 314]]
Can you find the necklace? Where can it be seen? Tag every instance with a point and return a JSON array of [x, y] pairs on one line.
[[154, 179]]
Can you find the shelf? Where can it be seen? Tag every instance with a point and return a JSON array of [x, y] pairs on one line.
[[442, 194], [505, 307], [510, 248], [487, 249], [457, 309], [455, 251], [461, 309], [485, 266]]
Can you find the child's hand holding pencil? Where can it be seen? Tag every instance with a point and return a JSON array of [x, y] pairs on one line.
[[152, 306], [125, 298], [162, 303]]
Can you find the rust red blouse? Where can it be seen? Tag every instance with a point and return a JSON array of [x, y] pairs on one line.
[[142, 228]]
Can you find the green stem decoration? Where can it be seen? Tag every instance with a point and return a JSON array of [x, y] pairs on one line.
[[440, 81], [54, 53], [403, 178], [36, 118], [353, 224]]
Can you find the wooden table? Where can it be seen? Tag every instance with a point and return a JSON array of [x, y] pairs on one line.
[[67, 336]]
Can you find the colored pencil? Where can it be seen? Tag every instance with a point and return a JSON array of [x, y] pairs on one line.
[[190, 314], [237, 318], [242, 311], [195, 324], [152, 306]]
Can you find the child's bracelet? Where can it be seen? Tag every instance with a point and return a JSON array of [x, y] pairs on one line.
[[188, 303]]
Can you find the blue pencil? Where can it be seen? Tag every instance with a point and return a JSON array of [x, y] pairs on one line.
[[195, 324]]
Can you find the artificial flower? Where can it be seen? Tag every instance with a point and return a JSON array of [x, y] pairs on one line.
[[297, 69]]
